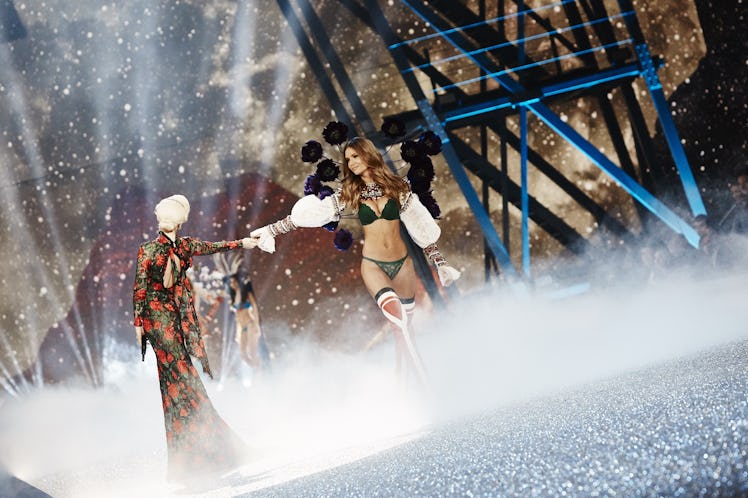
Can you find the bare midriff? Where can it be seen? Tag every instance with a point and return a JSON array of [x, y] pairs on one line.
[[382, 241]]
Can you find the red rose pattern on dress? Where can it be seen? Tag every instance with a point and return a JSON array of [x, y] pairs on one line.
[[198, 440]]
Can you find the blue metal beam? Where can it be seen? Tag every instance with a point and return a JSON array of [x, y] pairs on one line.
[[545, 34], [458, 173], [599, 78], [525, 201], [562, 128], [605, 76], [523, 136], [649, 73]]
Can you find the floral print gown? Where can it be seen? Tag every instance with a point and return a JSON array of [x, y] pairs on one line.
[[197, 439]]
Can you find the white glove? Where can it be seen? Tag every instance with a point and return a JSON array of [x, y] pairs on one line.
[[263, 239], [447, 275]]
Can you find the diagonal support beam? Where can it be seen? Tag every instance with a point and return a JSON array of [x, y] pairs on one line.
[[649, 73], [540, 215], [337, 66], [637, 191], [671, 134], [315, 63]]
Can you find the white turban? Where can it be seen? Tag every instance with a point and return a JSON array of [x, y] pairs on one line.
[[171, 212]]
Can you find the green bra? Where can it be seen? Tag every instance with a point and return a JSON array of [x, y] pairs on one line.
[[368, 216]]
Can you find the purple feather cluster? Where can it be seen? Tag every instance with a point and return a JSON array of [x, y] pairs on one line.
[[335, 133]]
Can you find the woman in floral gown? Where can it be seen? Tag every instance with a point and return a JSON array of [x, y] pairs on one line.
[[198, 441]]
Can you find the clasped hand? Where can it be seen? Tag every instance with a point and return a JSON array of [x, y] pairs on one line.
[[249, 242], [263, 238]]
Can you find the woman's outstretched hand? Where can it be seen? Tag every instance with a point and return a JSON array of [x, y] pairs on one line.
[[249, 242], [447, 275], [263, 239]]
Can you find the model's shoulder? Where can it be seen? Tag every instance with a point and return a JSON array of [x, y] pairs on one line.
[[152, 245]]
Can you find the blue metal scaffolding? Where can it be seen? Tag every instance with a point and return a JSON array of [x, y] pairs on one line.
[[517, 63], [533, 102]]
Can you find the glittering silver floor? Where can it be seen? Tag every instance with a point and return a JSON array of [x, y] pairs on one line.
[[631, 392], [679, 429]]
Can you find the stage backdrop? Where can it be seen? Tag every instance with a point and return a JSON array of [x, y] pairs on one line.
[[105, 108]]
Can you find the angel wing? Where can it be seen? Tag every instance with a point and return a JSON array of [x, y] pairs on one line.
[[228, 266]]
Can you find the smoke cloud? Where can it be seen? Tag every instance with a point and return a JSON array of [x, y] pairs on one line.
[[320, 408]]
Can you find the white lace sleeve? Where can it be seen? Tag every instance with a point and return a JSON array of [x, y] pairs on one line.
[[418, 221]]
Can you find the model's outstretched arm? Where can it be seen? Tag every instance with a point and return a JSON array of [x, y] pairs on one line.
[[201, 247], [308, 212], [425, 232]]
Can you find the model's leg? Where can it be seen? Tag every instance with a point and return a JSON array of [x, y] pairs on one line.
[[264, 351], [241, 343], [387, 293], [261, 350], [389, 302], [404, 285], [392, 309], [409, 305], [253, 340]]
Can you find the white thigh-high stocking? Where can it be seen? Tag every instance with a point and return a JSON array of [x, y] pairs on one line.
[[394, 310], [409, 305]]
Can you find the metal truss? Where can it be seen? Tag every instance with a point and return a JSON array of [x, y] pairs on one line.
[[589, 48]]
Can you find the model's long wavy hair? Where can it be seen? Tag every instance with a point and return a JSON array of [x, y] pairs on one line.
[[245, 287], [392, 185]]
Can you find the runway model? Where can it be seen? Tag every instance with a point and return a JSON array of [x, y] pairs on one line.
[[382, 201], [199, 442]]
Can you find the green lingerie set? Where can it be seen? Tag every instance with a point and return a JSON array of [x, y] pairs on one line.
[[390, 212]]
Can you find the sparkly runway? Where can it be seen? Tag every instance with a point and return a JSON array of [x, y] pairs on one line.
[[631, 392], [680, 429]]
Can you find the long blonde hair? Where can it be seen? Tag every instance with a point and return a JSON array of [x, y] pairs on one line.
[[392, 185]]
